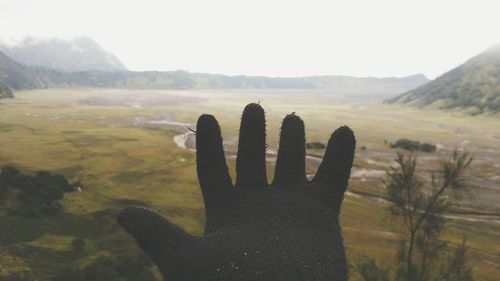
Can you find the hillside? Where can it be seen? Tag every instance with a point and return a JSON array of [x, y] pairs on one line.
[[81, 62], [473, 86], [17, 76], [186, 80], [5, 92], [78, 54]]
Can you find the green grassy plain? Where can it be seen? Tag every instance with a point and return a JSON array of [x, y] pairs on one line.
[[103, 139]]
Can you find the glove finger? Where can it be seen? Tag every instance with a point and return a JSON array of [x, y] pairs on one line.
[[290, 164], [335, 170], [176, 252], [251, 158], [211, 165]]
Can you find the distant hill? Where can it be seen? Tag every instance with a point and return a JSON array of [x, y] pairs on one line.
[[473, 86], [78, 54], [186, 80], [81, 62], [5, 92], [17, 76]]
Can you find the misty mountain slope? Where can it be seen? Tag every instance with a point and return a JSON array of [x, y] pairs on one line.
[[17, 76], [5, 92], [82, 63], [474, 85], [78, 54], [387, 86], [186, 80]]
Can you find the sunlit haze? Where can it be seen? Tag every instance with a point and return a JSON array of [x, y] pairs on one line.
[[264, 37]]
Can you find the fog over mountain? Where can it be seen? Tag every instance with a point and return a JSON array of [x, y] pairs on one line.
[[78, 54], [5, 92], [17, 76], [80, 62]]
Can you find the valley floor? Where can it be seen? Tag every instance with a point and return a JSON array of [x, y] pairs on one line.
[[130, 147]]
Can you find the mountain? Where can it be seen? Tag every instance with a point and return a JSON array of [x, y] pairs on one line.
[[17, 76], [185, 80], [81, 62], [78, 54], [389, 86], [5, 92], [473, 86]]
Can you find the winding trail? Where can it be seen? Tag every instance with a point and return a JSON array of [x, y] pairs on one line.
[[187, 141]]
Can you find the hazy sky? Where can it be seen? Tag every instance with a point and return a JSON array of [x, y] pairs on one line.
[[269, 37]]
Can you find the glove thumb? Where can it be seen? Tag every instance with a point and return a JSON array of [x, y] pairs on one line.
[[178, 254]]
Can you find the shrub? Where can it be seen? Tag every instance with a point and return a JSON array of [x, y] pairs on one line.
[[38, 194], [52, 208], [29, 212], [427, 147], [368, 269], [413, 145], [315, 145]]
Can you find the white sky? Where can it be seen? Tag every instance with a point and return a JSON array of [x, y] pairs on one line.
[[269, 37]]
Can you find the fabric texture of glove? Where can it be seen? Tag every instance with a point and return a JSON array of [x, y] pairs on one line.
[[286, 231]]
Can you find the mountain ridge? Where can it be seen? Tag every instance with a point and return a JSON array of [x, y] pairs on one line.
[[5, 92], [77, 54], [21, 75], [187, 80], [473, 86], [17, 76]]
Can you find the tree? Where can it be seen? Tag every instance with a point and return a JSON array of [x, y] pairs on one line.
[[421, 207], [456, 268], [368, 269]]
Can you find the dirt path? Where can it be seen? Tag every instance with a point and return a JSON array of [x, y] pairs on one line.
[[186, 141]]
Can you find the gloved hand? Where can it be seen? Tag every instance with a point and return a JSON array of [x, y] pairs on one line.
[[285, 231]]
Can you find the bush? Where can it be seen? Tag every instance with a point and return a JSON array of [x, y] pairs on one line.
[[51, 209], [368, 269], [38, 193], [29, 212], [45, 178], [413, 145], [315, 145], [427, 147]]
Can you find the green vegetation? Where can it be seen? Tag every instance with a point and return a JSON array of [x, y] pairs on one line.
[[121, 268], [53, 63], [185, 80], [421, 210], [456, 266], [413, 145], [38, 194], [368, 269], [473, 86], [123, 163], [315, 145]]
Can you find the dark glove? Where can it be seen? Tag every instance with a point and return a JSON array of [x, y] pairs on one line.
[[285, 231]]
